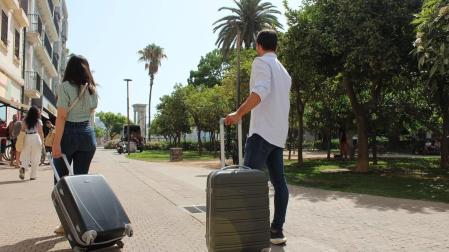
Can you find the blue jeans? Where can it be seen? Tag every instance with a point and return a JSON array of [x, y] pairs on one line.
[[258, 153], [78, 143]]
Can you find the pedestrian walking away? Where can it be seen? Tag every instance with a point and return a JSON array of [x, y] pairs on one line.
[[49, 137], [74, 134], [14, 128], [32, 143], [3, 138], [269, 104]]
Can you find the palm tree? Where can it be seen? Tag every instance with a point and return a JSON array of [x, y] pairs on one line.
[[248, 18], [152, 55]]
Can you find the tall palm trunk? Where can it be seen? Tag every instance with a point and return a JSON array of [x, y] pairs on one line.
[[149, 107]]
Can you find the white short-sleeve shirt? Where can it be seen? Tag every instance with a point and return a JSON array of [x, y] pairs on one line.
[[271, 81]]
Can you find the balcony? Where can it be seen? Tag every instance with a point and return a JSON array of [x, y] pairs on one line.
[[32, 85], [43, 49], [34, 33], [21, 18], [56, 61], [49, 94], [11, 4], [46, 10], [56, 22]]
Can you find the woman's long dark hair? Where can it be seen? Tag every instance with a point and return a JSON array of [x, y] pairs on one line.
[[32, 117], [78, 73]]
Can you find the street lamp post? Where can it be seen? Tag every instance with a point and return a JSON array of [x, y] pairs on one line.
[[127, 111]]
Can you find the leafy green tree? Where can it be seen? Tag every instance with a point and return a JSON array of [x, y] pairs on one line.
[[432, 49], [152, 56], [365, 43], [206, 106], [328, 111], [99, 132], [210, 70], [113, 122], [173, 114], [247, 17], [298, 50]]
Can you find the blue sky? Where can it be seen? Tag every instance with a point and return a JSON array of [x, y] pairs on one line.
[[110, 32]]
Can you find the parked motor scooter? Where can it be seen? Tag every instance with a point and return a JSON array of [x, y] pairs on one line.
[[121, 147]]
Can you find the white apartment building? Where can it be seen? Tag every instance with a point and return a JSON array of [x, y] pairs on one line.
[[45, 53], [32, 54], [13, 23]]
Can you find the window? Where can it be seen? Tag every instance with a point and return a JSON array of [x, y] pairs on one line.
[[17, 44], [4, 35]]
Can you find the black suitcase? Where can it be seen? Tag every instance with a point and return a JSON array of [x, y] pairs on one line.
[[238, 214], [89, 211]]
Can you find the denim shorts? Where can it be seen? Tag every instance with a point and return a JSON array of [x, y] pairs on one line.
[[78, 143]]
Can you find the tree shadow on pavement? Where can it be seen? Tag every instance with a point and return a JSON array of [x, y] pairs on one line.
[[11, 182], [367, 201], [40, 244]]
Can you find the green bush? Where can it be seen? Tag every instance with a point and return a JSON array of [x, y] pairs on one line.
[[157, 145], [189, 146], [111, 144], [210, 147], [186, 146]]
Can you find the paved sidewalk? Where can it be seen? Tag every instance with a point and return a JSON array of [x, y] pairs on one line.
[[154, 195]]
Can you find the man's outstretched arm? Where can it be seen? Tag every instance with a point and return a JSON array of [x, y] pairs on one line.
[[251, 102]]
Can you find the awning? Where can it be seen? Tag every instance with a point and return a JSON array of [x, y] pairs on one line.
[[13, 104]]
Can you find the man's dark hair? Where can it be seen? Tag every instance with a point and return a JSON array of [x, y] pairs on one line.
[[268, 39]]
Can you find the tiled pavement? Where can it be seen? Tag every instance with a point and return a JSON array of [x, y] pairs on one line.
[[154, 195]]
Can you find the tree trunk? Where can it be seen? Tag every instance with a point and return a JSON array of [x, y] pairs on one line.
[[374, 147], [200, 143], [362, 133], [149, 107], [329, 143], [300, 137], [444, 139], [300, 110]]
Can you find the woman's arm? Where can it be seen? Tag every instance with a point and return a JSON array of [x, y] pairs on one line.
[[59, 131], [40, 131]]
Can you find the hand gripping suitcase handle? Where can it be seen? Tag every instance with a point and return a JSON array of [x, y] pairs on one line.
[[69, 167], [222, 143]]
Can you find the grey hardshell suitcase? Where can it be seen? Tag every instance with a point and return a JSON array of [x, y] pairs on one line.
[[238, 215], [89, 211]]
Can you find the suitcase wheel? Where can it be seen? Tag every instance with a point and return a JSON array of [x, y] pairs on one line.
[[129, 230], [78, 249], [120, 244], [89, 237]]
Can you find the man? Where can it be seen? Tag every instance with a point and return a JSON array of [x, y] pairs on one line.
[[14, 128], [269, 104], [3, 137]]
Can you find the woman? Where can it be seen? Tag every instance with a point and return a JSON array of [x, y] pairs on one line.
[[344, 147], [32, 145], [74, 134], [49, 136]]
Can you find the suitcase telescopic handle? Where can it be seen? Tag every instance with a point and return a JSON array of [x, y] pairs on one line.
[[222, 143], [234, 167], [69, 167]]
